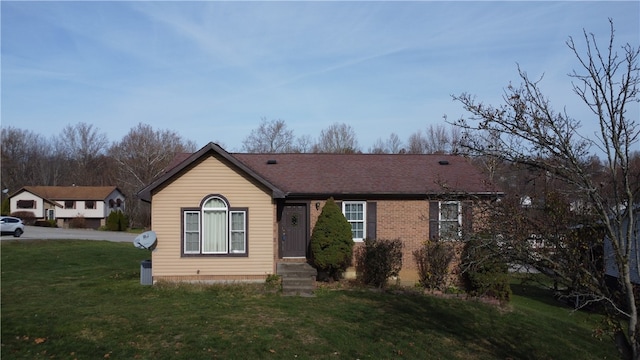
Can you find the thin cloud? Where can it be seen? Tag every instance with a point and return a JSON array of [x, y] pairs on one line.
[[211, 70]]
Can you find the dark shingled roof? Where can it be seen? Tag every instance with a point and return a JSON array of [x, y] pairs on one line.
[[306, 175], [364, 174]]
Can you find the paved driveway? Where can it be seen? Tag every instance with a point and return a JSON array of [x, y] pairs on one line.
[[43, 233]]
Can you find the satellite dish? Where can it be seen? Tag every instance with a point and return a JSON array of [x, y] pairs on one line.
[[146, 240]]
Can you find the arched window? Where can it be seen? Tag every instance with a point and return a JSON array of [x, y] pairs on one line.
[[214, 226], [214, 229]]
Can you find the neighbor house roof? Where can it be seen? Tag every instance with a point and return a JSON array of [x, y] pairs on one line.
[[305, 175], [70, 192]]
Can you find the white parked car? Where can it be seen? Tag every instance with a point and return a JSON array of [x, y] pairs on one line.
[[11, 225]]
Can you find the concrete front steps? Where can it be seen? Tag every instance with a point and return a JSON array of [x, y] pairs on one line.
[[298, 278]]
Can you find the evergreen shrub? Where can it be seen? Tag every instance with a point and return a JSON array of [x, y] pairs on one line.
[[484, 272], [331, 242], [117, 221]]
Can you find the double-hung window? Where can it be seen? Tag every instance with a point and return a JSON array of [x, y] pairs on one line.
[[214, 229], [450, 220], [238, 232], [356, 214], [191, 223]]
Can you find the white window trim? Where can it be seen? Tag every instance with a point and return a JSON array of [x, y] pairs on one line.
[[243, 231], [364, 218], [185, 231], [441, 219], [227, 235]]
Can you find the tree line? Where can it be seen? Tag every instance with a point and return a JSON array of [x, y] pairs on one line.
[[82, 155], [274, 136]]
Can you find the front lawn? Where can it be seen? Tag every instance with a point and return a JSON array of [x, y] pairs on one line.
[[83, 300]]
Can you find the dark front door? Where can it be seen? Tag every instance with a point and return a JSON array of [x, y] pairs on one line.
[[293, 231]]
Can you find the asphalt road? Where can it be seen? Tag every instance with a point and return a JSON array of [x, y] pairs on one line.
[[43, 233]]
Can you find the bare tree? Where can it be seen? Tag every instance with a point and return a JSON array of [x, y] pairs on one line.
[[417, 143], [438, 139], [83, 147], [378, 147], [337, 138], [142, 155], [25, 159], [270, 137], [304, 144], [529, 132], [443, 139], [393, 145]]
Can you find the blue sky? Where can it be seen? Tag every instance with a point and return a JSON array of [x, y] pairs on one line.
[[211, 70]]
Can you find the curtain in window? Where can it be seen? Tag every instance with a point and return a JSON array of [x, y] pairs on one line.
[[214, 231]]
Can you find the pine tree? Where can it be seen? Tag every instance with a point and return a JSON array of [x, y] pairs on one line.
[[331, 241]]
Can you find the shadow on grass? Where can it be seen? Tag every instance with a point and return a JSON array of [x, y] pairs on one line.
[[468, 329], [455, 325], [536, 292]]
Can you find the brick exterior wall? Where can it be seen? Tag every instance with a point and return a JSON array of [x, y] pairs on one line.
[[407, 220]]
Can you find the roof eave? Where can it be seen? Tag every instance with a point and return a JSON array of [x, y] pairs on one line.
[[393, 195]]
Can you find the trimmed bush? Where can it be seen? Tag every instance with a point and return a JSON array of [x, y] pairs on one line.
[[46, 223], [27, 217], [378, 260], [433, 260], [484, 272], [331, 242], [117, 221]]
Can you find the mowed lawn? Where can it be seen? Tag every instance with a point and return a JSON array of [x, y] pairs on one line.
[[83, 300]]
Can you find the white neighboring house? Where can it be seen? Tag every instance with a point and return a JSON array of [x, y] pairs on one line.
[[64, 203]]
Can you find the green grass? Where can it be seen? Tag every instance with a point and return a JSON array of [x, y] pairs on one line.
[[83, 300]]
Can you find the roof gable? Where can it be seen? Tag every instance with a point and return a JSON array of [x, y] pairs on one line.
[[183, 161]]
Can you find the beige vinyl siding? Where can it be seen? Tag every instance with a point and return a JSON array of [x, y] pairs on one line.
[[211, 176]]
